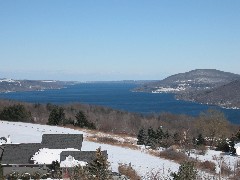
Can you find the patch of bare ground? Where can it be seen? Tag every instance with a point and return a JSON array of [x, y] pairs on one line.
[[121, 140]]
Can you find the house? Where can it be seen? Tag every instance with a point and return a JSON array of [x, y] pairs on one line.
[[38, 157]]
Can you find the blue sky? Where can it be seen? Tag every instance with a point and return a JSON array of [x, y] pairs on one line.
[[117, 39]]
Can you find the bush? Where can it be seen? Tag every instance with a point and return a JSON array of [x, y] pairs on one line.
[[173, 155], [107, 140], [201, 149], [225, 169], [45, 176], [36, 175], [79, 172], [207, 165], [128, 171], [25, 176], [12, 176]]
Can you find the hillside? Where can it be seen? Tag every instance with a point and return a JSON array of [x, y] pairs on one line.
[[227, 96], [10, 85], [208, 86], [145, 161], [140, 160], [199, 79]]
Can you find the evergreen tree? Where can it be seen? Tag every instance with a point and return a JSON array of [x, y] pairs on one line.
[[142, 137], [16, 112], [159, 133], [200, 140], [152, 138], [223, 145], [99, 167], [55, 169], [83, 122], [56, 116], [232, 149], [186, 171], [177, 138], [80, 173]]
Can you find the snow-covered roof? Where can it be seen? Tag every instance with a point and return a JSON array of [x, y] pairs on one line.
[[71, 162], [47, 156]]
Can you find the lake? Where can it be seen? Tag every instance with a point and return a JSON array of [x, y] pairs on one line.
[[118, 96]]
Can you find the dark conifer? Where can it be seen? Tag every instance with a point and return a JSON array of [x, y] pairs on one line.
[[83, 122], [99, 167], [200, 140], [142, 137]]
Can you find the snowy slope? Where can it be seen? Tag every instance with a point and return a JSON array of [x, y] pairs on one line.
[[142, 162]]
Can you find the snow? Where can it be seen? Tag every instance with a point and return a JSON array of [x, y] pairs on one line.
[[168, 89], [71, 162], [49, 81], [140, 161], [237, 147], [217, 157], [47, 156], [6, 80]]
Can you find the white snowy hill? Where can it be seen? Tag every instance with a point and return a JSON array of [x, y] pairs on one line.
[[141, 161]]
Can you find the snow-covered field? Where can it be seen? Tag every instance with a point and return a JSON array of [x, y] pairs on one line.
[[142, 162]]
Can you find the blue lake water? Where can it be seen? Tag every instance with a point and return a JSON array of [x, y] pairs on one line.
[[118, 96]]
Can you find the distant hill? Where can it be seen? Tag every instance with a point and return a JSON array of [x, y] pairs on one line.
[[227, 96], [208, 86], [10, 85], [196, 80]]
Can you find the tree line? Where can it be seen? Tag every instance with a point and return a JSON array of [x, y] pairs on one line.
[[211, 123]]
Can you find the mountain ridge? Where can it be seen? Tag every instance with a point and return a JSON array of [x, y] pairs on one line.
[[207, 86], [11, 85]]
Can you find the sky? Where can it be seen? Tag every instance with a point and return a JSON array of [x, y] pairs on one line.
[[92, 40]]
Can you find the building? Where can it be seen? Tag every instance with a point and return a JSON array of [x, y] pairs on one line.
[[38, 157]]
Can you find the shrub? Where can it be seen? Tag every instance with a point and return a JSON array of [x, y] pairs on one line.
[[45, 176], [225, 169], [155, 175], [25, 176], [79, 172], [128, 171], [173, 155], [201, 149], [36, 175], [12, 176], [206, 165], [107, 140]]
